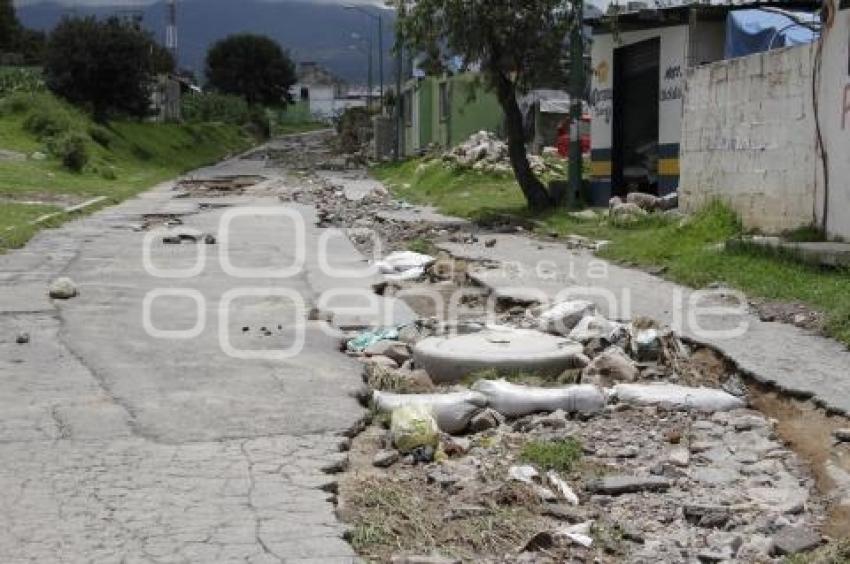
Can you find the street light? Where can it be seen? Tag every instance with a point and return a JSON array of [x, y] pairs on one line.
[[380, 21], [357, 37]]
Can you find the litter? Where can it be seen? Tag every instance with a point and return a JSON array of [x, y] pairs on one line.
[[512, 400], [452, 411], [403, 261], [579, 534], [562, 488], [412, 427], [368, 338], [524, 474], [677, 397]]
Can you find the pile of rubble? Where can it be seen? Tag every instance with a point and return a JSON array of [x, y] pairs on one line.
[[485, 152], [668, 463], [639, 204]]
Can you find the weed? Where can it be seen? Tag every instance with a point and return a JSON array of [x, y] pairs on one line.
[[560, 455], [422, 245]]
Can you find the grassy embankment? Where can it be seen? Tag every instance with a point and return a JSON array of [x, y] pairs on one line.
[[688, 251], [78, 160]]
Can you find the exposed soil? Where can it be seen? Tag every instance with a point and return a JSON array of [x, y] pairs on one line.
[[216, 186]]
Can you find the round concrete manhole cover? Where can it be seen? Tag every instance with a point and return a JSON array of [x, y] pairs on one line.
[[448, 359]]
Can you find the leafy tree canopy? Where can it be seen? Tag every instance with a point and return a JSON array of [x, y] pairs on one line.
[[106, 66], [518, 44], [251, 66]]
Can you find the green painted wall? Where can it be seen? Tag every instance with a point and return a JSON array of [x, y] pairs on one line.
[[471, 109], [469, 116]]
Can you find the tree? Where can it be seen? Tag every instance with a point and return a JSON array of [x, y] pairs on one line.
[[251, 66], [515, 42], [9, 26], [106, 66]]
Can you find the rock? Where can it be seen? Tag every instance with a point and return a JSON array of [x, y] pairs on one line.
[[62, 289], [793, 540], [423, 454], [395, 350], [627, 211], [841, 435], [595, 327], [385, 458], [410, 335], [707, 516], [381, 360], [669, 201], [679, 457], [484, 420], [563, 317], [456, 446], [645, 344], [748, 423], [565, 512], [612, 366], [621, 484], [38, 156], [646, 202], [22, 338], [525, 474], [585, 215], [209, 239]]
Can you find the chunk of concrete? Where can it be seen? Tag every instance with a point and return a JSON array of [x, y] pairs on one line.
[[563, 317], [676, 397], [506, 350], [512, 400], [793, 540], [62, 289]]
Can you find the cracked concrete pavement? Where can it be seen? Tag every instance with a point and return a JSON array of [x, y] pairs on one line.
[[795, 361], [116, 446]]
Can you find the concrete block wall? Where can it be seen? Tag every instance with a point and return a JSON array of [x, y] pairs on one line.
[[748, 138]]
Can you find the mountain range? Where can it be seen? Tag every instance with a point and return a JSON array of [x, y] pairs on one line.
[[320, 32]]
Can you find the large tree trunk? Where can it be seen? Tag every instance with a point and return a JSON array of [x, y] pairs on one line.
[[535, 193]]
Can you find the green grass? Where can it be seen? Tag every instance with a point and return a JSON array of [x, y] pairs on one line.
[[688, 250], [559, 455], [15, 222], [122, 158]]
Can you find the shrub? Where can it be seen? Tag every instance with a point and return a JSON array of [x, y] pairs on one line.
[[212, 107], [48, 120], [100, 135], [72, 149], [20, 80]]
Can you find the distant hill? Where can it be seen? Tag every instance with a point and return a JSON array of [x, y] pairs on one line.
[[311, 31]]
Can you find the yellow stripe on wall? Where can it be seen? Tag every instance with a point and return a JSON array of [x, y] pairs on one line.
[[668, 167], [600, 168]]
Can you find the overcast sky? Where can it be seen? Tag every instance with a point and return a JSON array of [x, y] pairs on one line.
[[142, 2]]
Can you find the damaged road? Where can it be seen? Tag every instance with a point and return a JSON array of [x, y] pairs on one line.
[[122, 444]]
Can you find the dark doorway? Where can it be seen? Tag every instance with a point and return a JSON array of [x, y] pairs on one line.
[[635, 144]]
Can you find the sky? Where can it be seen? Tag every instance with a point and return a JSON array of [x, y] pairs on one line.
[[143, 2]]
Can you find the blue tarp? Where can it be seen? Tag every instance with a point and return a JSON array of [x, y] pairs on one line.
[[756, 31]]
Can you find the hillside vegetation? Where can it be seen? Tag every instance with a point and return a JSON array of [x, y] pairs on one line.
[[54, 155]]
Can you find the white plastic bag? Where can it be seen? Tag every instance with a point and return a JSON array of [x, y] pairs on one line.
[[512, 400], [412, 427]]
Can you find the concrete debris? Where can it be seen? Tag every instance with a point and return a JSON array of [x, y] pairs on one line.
[[62, 289], [526, 474], [612, 366], [562, 488], [395, 350], [794, 540], [674, 397], [563, 317], [578, 534], [385, 458], [646, 202], [512, 400], [22, 338], [406, 265], [597, 327], [484, 152]]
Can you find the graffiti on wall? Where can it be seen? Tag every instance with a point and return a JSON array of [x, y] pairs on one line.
[[671, 88], [601, 101]]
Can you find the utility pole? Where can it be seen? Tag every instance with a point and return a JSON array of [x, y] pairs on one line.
[[398, 153], [576, 96], [171, 31], [380, 21]]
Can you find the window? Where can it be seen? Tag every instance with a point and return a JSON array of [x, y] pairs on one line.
[[444, 101], [305, 93]]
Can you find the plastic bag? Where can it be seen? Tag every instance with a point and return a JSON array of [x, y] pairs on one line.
[[412, 427], [451, 411], [368, 338], [512, 400]]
